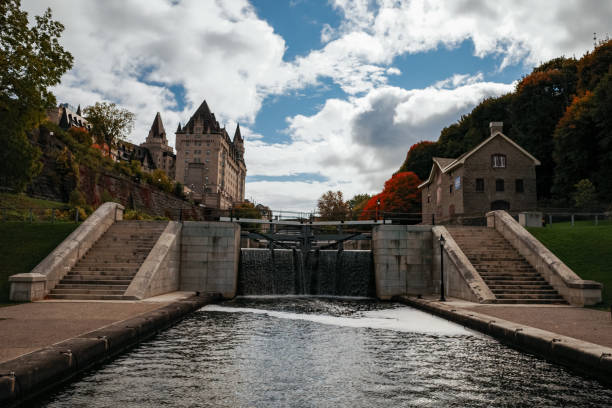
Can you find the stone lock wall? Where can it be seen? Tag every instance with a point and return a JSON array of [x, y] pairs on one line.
[[210, 253], [402, 260]]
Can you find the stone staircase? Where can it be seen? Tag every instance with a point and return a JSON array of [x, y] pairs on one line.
[[106, 270], [507, 273]]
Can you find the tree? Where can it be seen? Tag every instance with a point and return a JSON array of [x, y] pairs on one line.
[[332, 206], [31, 61], [584, 196], [109, 122], [540, 100], [357, 203], [400, 195], [419, 158]]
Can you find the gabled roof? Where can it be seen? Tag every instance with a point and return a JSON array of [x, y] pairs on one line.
[[446, 165]]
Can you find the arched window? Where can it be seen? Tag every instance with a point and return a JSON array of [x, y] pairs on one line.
[[498, 161]]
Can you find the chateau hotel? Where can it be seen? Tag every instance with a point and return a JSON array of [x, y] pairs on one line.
[[208, 162]]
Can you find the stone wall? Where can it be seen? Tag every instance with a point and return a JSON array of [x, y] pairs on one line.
[[461, 280], [210, 254], [576, 291], [36, 285], [402, 260], [131, 194], [160, 272]]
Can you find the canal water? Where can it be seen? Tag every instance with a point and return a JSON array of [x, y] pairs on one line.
[[325, 352]]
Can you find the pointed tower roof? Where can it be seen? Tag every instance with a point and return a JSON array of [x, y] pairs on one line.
[[178, 129], [78, 112], [157, 128], [237, 135], [203, 110], [204, 116]]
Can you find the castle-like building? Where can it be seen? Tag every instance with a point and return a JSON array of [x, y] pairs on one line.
[[208, 162]]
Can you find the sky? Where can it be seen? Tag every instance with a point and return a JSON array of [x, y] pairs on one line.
[[329, 94]]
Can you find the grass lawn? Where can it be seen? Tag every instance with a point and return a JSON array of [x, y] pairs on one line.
[[24, 245], [585, 248]]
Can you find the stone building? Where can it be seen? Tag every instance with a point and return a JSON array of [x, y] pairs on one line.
[[157, 145], [208, 162], [497, 174], [65, 116]]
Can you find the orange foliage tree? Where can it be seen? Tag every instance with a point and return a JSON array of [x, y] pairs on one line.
[[400, 195]]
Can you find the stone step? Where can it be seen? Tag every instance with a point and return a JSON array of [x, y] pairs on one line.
[[528, 296], [90, 286], [95, 291], [104, 260], [126, 274], [514, 291], [106, 266], [85, 297], [510, 274], [532, 301], [107, 280], [534, 286]]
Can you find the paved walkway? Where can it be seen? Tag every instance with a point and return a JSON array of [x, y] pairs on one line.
[[594, 326], [29, 326]]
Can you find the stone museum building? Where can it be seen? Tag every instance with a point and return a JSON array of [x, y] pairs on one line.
[[208, 162], [498, 174]]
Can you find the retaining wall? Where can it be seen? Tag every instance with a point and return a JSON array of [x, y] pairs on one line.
[[461, 280], [160, 272], [576, 291], [210, 255], [402, 260], [32, 374], [36, 284], [587, 358]]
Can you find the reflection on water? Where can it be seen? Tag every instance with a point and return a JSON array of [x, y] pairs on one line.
[[305, 352]]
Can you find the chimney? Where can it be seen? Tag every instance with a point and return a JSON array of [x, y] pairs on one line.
[[496, 127]]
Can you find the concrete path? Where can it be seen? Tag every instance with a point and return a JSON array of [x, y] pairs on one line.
[[594, 326], [30, 326]]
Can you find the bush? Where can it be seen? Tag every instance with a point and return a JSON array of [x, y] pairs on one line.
[[77, 199]]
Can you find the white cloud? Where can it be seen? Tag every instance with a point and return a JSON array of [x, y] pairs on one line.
[[132, 52], [358, 143]]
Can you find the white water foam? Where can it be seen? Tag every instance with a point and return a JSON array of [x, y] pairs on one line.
[[402, 319]]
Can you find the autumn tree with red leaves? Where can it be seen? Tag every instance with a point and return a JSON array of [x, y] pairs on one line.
[[400, 195]]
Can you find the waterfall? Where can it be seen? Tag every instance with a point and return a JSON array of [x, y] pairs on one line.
[[289, 272]]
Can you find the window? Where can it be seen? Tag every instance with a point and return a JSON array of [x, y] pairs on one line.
[[498, 161], [186, 152], [450, 189], [479, 184], [519, 187], [499, 185]]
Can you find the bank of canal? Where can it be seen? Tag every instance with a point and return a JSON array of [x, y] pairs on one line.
[[315, 352]]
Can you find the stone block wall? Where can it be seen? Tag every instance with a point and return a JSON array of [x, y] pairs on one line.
[[160, 272], [210, 253], [27, 287], [402, 260], [576, 291]]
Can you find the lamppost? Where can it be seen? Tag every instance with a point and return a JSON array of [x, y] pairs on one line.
[[442, 242], [377, 207]]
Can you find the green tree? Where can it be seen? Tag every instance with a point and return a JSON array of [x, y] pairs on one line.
[[332, 206], [357, 203], [540, 100], [584, 195], [109, 122], [419, 159], [31, 61]]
